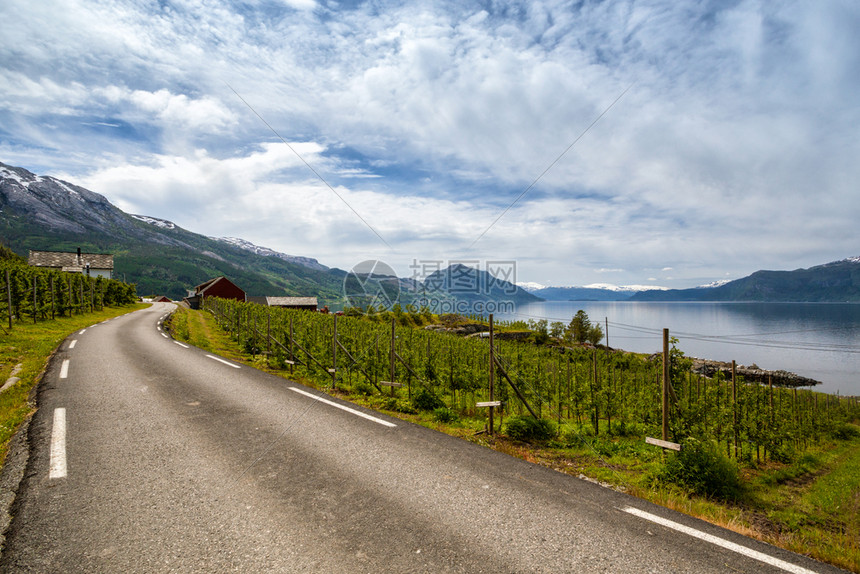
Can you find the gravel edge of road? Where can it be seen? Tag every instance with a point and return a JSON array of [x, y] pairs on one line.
[[18, 456]]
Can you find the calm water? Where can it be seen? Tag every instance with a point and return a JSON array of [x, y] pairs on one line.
[[816, 340]]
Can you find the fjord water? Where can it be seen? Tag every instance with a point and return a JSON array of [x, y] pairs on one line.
[[817, 340]]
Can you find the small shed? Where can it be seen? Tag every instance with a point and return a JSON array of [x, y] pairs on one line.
[[89, 264], [306, 303], [217, 287], [161, 299]]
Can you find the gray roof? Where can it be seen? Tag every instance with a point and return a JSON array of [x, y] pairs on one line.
[[291, 301], [64, 260]]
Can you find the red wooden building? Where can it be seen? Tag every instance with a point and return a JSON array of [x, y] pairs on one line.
[[217, 287]]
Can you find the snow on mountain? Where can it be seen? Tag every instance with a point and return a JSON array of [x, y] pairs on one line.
[[717, 283], [625, 288], [162, 223], [530, 285], [267, 252]]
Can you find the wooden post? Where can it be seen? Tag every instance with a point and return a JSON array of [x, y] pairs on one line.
[[35, 304], [334, 354], [607, 332], [268, 332], [292, 352], [594, 407], [666, 373], [52, 298], [492, 371], [9, 298], [391, 356], [735, 407]]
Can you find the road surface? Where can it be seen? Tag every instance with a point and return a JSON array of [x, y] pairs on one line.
[[148, 455]]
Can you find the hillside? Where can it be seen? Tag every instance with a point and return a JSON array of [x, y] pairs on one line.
[[41, 212], [836, 282], [45, 213]]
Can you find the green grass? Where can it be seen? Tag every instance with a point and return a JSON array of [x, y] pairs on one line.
[[31, 345], [810, 506]]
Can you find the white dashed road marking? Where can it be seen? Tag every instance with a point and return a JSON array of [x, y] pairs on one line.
[[181, 345], [760, 556], [72, 344], [214, 358], [343, 408], [64, 369], [58, 445]]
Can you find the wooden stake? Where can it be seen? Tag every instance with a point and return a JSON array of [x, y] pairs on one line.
[[9, 298], [492, 371], [666, 383]]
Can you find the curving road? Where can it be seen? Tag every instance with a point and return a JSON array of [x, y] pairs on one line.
[[152, 456]]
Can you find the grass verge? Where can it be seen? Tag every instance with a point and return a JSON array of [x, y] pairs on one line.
[[810, 506], [30, 346]]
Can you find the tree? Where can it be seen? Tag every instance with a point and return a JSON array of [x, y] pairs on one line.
[[556, 329], [579, 328], [595, 334]]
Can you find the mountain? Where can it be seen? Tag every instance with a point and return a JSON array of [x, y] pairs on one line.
[[248, 246], [598, 292], [835, 282], [45, 213], [474, 288]]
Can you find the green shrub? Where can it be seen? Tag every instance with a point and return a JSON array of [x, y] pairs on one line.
[[362, 388], [528, 428], [395, 404], [704, 470], [444, 415], [845, 431], [424, 400]]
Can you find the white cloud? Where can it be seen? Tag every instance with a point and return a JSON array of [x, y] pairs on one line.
[[734, 143]]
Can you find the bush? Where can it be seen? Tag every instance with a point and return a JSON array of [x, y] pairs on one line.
[[362, 388], [528, 428], [394, 404], [427, 401], [702, 469], [444, 415], [845, 431]]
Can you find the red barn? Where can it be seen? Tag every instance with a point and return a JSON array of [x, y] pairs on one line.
[[218, 287]]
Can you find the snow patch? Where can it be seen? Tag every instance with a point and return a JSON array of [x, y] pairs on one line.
[[530, 286], [625, 288], [717, 283], [162, 223], [63, 186]]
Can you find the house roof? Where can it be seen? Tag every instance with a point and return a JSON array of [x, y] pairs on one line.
[[291, 301], [65, 260], [203, 287]]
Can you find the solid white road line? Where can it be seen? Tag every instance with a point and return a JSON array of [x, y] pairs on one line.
[[223, 361], [181, 345], [343, 408], [64, 369], [72, 344], [58, 445], [760, 556]]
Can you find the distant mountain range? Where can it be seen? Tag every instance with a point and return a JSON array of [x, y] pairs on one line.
[[835, 282], [587, 293], [45, 213]]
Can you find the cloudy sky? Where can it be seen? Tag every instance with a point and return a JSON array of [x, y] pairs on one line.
[[649, 142]]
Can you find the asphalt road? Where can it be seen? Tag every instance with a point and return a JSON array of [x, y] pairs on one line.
[[173, 461]]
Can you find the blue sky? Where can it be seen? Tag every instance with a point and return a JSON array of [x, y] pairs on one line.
[[734, 147]]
